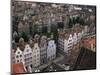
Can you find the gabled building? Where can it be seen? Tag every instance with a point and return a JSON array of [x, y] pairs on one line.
[[28, 56], [79, 31], [68, 43], [61, 38], [36, 55], [51, 50], [65, 42], [43, 49], [21, 43], [67, 39], [19, 58]]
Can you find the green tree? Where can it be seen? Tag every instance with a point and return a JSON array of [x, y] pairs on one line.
[[25, 36]]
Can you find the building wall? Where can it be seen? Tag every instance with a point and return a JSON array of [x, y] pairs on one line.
[[79, 35], [19, 56], [75, 38], [43, 50], [61, 44], [28, 56], [36, 55], [68, 44], [51, 50]]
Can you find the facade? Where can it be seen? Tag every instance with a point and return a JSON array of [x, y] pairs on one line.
[[36, 55], [66, 23], [68, 43], [43, 49], [75, 38], [19, 58], [61, 39], [12, 56], [79, 36], [51, 50], [28, 56], [67, 40]]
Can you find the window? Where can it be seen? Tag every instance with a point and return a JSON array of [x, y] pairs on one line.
[[30, 57], [70, 43], [25, 59], [20, 55], [70, 40], [18, 52], [17, 56], [17, 61]]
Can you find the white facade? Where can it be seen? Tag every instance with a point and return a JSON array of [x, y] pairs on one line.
[[75, 38], [79, 35], [68, 44], [19, 56], [28, 56], [51, 50], [36, 55]]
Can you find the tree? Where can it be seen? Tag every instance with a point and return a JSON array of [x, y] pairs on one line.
[[77, 19], [25, 36], [70, 23], [82, 21]]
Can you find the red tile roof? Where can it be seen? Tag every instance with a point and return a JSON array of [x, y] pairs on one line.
[[87, 42], [18, 68]]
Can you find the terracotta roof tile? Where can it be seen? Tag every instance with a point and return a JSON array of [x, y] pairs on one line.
[[18, 68]]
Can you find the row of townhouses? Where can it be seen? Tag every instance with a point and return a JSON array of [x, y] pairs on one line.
[[66, 40], [32, 57]]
